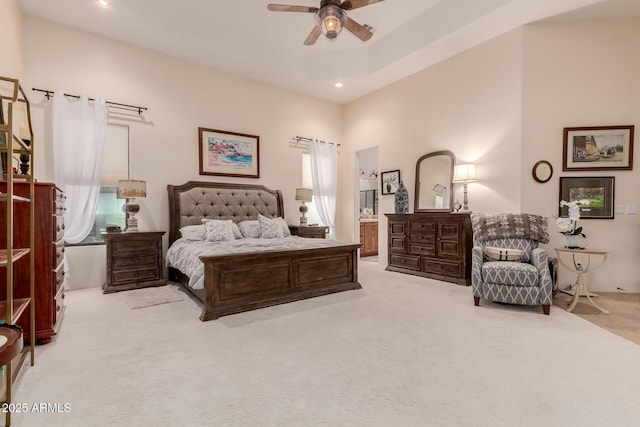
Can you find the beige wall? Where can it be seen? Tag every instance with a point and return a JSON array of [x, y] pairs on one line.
[[584, 74], [469, 104], [503, 105], [11, 36], [181, 96]]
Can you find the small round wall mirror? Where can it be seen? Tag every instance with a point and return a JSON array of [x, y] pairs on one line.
[[542, 171]]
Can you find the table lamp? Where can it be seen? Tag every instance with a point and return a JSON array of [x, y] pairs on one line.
[[465, 174], [304, 195], [131, 189]]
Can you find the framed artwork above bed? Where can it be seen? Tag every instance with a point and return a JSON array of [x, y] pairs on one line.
[[224, 153]]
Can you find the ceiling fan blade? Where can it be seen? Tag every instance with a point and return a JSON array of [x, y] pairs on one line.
[[313, 36], [361, 32], [291, 8], [354, 4]]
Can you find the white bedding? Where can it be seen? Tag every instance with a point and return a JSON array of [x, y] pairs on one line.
[[184, 254]]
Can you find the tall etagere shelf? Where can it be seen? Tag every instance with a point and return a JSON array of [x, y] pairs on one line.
[[12, 353]]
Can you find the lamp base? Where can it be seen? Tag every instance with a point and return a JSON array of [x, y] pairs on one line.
[[303, 211], [132, 209]]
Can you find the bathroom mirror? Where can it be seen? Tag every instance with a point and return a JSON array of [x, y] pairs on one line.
[[434, 173]]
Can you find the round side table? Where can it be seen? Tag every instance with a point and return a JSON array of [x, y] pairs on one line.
[[581, 286]]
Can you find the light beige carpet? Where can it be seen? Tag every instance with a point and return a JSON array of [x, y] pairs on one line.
[[401, 351], [147, 297]]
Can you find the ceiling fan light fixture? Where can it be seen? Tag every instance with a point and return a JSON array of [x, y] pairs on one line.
[[331, 19]]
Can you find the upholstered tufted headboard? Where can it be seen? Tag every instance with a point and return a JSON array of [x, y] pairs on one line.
[[191, 202]]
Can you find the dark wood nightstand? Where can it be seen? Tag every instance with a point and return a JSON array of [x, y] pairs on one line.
[[134, 260], [313, 231]]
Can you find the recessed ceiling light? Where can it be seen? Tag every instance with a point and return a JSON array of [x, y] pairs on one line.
[[104, 3], [338, 84]]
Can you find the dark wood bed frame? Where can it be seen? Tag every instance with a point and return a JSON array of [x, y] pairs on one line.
[[240, 282]]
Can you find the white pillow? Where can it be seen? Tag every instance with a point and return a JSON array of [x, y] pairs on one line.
[[272, 228], [193, 232], [503, 254], [285, 227], [234, 227], [250, 228], [219, 230]]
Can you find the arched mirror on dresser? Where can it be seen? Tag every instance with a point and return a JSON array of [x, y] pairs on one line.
[[433, 186]]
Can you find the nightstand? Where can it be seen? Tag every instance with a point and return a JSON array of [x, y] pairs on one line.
[[134, 260], [312, 231]]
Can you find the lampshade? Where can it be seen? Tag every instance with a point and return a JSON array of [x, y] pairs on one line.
[[131, 188], [304, 194], [464, 173], [331, 19]]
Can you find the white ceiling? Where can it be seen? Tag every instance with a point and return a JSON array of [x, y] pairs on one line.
[[243, 37]]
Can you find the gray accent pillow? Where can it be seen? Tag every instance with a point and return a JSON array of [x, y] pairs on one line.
[[234, 227], [218, 230], [250, 228], [270, 228]]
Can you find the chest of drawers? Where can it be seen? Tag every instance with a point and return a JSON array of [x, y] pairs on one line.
[[434, 245], [134, 260]]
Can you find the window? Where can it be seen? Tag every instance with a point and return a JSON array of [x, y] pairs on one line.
[[116, 166]]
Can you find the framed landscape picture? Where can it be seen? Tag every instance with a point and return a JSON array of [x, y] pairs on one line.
[[228, 153], [598, 148], [596, 192], [390, 181]]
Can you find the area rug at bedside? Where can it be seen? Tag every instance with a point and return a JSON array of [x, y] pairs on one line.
[[147, 297]]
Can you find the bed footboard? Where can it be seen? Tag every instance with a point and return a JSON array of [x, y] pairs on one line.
[[242, 282]]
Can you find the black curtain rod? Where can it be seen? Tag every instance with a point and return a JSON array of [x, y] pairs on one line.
[[48, 94]]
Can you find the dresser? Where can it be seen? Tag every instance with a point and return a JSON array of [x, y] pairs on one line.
[[134, 260], [49, 257], [369, 238], [434, 245]]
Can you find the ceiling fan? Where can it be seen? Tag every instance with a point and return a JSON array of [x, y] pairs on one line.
[[330, 18]]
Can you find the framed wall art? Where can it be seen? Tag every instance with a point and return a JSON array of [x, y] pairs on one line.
[[226, 153], [596, 191], [598, 148], [390, 181]]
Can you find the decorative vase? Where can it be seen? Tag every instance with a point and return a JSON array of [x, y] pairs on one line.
[[402, 199], [572, 241]]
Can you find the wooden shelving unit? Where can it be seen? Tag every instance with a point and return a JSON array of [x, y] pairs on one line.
[[13, 100]]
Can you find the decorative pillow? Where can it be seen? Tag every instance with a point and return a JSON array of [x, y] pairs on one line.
[[271, 228], [234, 227], [193, 232], [503, 254], [285, 227], [250, 228], [219, 230]]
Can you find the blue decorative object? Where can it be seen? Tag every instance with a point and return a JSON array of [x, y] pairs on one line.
[[402, 199]]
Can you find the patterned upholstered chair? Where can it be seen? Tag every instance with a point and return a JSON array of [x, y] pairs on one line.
[[526, 281]]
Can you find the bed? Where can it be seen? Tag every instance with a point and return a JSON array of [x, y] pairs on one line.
[[248, 279]]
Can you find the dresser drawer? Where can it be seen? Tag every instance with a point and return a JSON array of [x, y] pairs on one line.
[[130, 247], [58, 251], [397, 244], [125, 276], [405, 261], [422, 227], [397, 227], [429, 250], [59, 276], [442, 267], [58, 230], [422, 238], [139, 262]]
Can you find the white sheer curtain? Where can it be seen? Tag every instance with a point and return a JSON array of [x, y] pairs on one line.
[[79, 133], [324, 173]]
